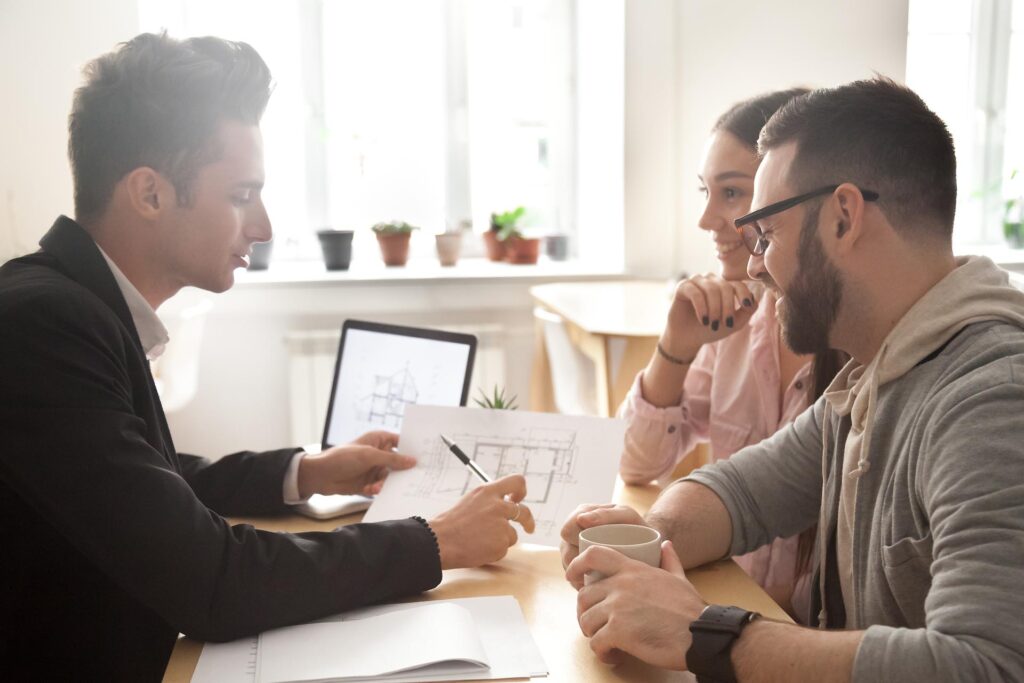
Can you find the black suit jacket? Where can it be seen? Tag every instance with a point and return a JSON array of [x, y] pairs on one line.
[[112, 542]]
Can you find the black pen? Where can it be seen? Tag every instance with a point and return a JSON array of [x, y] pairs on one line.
[[465, 459]]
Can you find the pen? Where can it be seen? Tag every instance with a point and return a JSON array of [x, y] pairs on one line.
[[465, 459]]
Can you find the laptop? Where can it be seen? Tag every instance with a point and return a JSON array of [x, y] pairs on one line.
[[380, 370]]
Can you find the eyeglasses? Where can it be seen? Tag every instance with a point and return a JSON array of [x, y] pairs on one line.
[[754, 238]]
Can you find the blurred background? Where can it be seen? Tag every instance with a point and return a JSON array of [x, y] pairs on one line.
[[589, 114]]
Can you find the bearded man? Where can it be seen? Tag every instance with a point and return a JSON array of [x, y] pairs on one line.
[[911, 462]]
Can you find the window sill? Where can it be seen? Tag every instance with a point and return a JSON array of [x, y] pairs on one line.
[[1001, 254], [421, 271]]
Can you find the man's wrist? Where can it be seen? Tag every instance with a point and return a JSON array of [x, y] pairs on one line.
[[306, 477], [713, 635], [291, 492]]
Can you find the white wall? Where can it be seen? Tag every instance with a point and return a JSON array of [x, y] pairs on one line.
[[43, 45], [728, 50]]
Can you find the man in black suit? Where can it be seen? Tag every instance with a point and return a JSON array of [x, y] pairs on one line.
[[113, 542]]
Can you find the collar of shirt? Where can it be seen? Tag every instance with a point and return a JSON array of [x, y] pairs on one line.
[[152, 332]]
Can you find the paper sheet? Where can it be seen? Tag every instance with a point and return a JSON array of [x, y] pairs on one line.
[[374, 646], [567, 461], [499, 621]]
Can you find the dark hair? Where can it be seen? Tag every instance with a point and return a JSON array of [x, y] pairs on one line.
[[157, 102], [880, 136], [746, 119]]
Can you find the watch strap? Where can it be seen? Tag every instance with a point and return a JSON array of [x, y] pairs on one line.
[[713, 634]]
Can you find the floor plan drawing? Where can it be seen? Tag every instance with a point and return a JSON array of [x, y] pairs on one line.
[[566, 461], [546, 458], [391, 394]]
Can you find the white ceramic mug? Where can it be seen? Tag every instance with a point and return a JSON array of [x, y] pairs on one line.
[[632, 540]]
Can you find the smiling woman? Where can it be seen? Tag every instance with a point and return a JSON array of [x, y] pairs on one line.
[[720, 373]]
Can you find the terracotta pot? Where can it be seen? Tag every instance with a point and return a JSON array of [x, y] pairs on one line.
[[522, 250], [448, 246], [394, 247], [495, 247]]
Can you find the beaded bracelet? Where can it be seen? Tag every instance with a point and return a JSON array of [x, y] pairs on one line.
[[670, 358]]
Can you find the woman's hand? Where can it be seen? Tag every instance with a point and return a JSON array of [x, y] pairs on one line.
[[705, 309]]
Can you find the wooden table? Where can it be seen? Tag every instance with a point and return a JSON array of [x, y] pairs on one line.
[[615, 324], [533, 574]]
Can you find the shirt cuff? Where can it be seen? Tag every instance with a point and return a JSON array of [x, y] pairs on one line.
[[290, 490]]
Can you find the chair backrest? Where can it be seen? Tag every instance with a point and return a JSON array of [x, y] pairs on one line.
[[176, 371], [573, 374]]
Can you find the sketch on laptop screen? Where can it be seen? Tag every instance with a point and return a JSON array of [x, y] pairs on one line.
[[382, 369]]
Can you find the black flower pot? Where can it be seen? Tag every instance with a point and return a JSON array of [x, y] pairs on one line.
[[337, 248], [259, 258]]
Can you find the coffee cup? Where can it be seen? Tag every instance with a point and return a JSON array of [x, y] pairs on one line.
[[632, 540]]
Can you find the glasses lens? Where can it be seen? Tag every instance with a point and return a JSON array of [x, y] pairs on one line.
[[752, 239]]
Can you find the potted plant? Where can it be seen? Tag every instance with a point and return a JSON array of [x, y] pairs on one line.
[[393, 238], [497, 401], [1013, 213], [501, 221], [336, 246], [259, 255], [518, 247], [449, 244], [1012, 229]]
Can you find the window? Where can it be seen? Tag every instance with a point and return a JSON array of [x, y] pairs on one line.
[[436, 112], [962, 55]]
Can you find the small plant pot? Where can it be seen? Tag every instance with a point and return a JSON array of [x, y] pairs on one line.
[[1014, 233], [394, 248], [336, 246], [448, 246], [259, 258], [495, 247], [557, 247], [522, 250]]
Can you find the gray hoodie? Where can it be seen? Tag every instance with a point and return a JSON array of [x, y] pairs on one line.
[[934, 556]]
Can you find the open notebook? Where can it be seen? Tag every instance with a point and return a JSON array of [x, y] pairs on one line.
[[445, 640]]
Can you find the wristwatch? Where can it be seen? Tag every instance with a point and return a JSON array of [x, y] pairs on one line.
[[713, 634]]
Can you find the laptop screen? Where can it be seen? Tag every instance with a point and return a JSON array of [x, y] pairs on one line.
[[383, 368]]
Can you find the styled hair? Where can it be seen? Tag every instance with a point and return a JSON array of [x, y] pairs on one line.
[[880, 136], [157, 102], [746, 119]]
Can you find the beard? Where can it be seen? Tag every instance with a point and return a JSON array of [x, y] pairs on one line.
[[812, 299]]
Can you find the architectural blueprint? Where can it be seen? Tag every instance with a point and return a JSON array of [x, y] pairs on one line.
[[385, 406], [566, 460]]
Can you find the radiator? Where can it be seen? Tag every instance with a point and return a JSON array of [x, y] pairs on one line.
[[311, 358]]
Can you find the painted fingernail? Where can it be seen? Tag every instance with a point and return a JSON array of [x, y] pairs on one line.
[[704, 320], [728, 321], [714, 326], [748, 303]]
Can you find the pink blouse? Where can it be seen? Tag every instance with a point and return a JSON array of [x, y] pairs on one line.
[[730, 399]]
